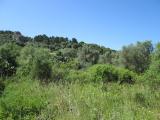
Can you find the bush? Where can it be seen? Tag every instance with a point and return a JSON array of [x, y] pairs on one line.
[[126, 76], [68, 53], [35, 62], [25, 60], [103, 73], [42, 69], [62, 71], [59, 74], [70, 65], [152, 75], [108, 73], [8, 62], [87, 56]]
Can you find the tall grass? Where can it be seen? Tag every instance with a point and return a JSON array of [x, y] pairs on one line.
[[30, 100]]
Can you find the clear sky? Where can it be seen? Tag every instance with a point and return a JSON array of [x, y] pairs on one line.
[[111, 23]]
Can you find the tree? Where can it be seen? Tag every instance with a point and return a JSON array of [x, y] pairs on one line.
[[137, 57], [74, 43], [68, 54], [22, 41], [152, 75], [88, 56], [6, 37], [109, 57], [155, 63], [41, 38]]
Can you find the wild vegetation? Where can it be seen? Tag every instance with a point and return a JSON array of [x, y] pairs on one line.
[[55, 78]]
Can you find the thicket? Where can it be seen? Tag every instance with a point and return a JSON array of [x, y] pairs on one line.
[[55, 58], [108, 73], [81, 78], [152, 75], [8, 61], [35, 63]]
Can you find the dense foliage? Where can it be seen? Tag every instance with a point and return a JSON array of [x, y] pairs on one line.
[[107, 73], [137, 57], [8, 62], [59, 78]]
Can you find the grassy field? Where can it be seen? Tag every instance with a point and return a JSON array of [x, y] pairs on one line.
[[30, 100]]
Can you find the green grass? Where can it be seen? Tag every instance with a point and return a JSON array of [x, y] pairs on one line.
[[29, 100]]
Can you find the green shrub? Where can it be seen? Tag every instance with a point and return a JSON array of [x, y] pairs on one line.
[[35, 62], [152, 75], [126, 76], [88, 55], [62, 72], [42, 68], [8, 62], [108, 73], [74, 64], [151, 78], [103, 73], [59, 74], [25, 60]]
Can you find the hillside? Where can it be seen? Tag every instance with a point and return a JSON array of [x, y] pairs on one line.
[[56, 78]]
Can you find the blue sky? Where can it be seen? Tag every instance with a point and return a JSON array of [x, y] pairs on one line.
[[111, 23]]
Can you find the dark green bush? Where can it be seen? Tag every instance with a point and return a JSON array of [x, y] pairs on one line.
[[42, 68], [8, 62]]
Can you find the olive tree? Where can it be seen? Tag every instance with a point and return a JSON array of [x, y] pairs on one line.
[[137, 57]]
